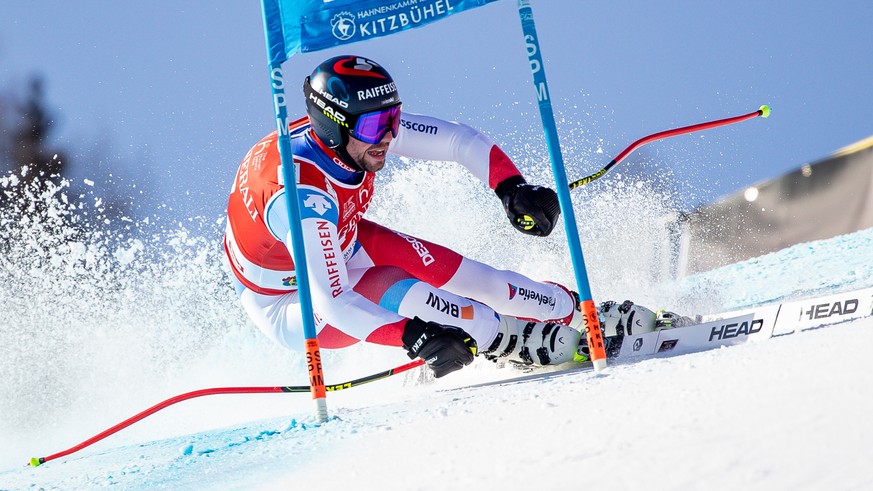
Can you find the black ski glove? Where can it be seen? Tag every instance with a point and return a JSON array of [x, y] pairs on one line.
[[532, 210], [444, 348]]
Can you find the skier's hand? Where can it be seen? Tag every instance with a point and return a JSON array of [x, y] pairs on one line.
[[532, 210], [444, 348]]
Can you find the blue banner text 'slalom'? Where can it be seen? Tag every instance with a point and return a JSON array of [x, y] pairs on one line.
[[312, 25]]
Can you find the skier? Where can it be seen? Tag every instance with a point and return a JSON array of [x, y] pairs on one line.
[[370, 283]]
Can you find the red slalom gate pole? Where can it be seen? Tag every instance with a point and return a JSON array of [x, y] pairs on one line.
[[763, 111], [34, 462]]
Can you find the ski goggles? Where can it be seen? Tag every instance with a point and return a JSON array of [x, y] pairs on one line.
[[371, 127]]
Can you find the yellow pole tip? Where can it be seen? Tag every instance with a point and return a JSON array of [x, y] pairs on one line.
[[34, 462], [765, 111]]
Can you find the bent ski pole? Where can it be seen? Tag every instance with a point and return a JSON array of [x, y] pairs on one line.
[[763, 111], [34, 462]]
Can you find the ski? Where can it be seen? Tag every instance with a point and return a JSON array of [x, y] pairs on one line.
[[537, 373], [718, 330], [754, 324]]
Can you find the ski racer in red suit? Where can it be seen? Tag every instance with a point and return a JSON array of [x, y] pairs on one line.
[[370, 283]]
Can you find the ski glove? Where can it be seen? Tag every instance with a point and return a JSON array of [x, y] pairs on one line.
[[532, 210], [444, 348]]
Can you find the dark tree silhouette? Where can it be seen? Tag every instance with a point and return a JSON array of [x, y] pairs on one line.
[[30, 140], [30, 171]]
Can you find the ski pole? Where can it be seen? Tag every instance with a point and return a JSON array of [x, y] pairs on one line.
[[763, 111], [34, 462]]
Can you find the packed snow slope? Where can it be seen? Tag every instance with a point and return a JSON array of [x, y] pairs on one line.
[[97, 327]]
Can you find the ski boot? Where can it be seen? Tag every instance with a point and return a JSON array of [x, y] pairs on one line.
[[618, 320], [669, 320], [532, 343]]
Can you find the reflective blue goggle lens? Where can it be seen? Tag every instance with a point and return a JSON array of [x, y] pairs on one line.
[[373, 126]]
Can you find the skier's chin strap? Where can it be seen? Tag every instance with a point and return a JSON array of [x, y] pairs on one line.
[[345, 160]]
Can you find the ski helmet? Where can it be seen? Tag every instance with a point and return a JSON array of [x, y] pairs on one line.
[[343, 88]]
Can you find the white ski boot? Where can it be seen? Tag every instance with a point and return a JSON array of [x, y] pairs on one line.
[[631, 319], [532, 343], [628, 319]]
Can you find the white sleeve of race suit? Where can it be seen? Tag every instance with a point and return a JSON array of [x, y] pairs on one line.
[[429, 138], [332, 295]]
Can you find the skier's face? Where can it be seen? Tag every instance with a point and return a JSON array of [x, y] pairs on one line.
[[370, 157]]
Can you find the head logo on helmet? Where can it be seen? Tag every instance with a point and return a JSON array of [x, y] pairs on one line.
[[342, 88]]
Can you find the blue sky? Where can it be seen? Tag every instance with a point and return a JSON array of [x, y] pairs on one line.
[[171, 94]]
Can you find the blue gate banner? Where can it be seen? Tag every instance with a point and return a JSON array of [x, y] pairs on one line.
[[301, 26]]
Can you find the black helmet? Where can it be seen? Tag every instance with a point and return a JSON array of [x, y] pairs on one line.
[[343, 88]]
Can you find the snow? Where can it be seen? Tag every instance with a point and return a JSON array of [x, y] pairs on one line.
[[792, 413], [100, 331]]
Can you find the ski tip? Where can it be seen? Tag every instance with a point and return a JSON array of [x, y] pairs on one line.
[[764, 110], [35, 462]]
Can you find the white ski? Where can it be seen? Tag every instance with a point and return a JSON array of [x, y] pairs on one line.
[[723, 329], [756, 324]]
